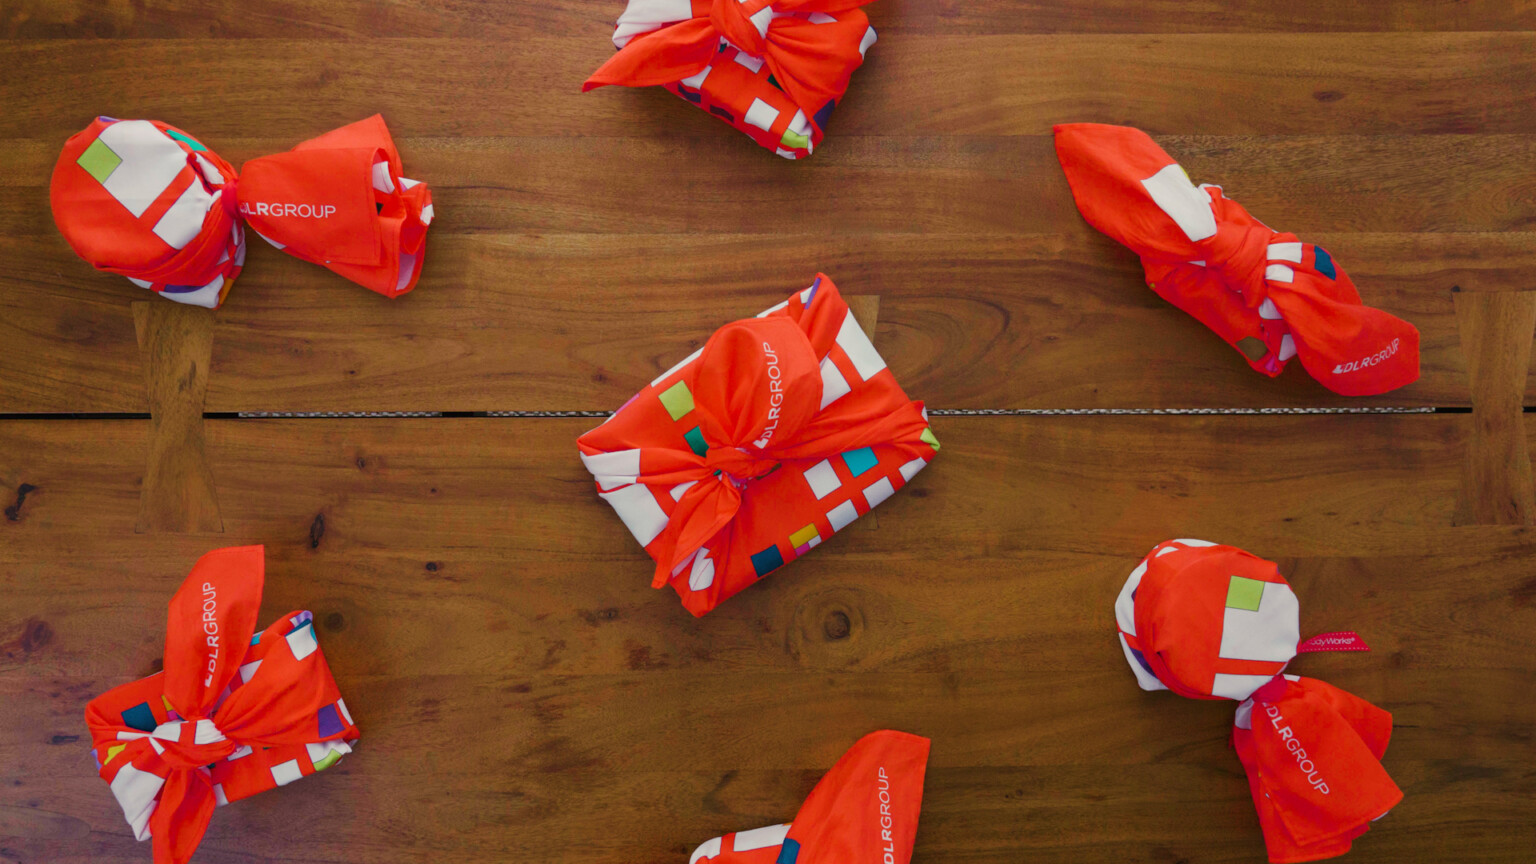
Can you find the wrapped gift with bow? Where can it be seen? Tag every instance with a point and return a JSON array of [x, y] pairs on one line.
[[775, 69], [1215, 622], [864, 810], [1269, 295], [235, 712], [779, 432], [145, 200]]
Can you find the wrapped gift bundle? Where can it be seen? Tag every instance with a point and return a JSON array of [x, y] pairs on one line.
[[235, 712], [775, 69], [775, 435], [1215, 622], [1266, 293], [864, 810], [147, 201]]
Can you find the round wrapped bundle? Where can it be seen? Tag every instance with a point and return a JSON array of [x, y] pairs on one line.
[[145, 200], [1215, 622]]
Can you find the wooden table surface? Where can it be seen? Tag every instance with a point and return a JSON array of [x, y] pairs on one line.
[[523, 694]]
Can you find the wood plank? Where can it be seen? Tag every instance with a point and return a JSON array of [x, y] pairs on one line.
[[1497, 330], [420, 514], [527, 645], [565, 322], [520, 19], [897, 183], [995, 791], [175, 343], [1273, 84]]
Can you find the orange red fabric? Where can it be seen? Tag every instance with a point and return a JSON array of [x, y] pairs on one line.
[[864, 811], [775, 69], [145, 200], [235, 712], [1215, 622], [1265, 292], [775, 435]]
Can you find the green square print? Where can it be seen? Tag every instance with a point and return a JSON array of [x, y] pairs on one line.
[[99, 161], [695, 439], [1244, 593], [677, 399]]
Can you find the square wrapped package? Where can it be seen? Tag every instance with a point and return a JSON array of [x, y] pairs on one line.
[[236, 711], [778, 433], [774, 70]]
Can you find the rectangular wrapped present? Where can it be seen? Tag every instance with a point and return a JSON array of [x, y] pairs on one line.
[[235, 712], [775, 69], [775, 435]]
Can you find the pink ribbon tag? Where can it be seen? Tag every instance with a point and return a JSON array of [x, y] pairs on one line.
[[1343, 640]]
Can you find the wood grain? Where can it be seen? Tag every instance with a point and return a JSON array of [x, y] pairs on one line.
[[522, 629], [1496, 333], [519, 19], [175, 343], [566, 322], [1271, 84]]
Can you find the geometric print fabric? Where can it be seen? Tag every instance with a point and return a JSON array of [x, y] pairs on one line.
[[738, 84], [792, 509], [279, 689]]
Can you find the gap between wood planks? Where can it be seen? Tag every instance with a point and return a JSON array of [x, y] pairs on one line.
[[937, 412]]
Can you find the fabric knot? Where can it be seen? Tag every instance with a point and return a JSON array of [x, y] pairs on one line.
[[1240, 253], [1271, 691], [738, 464], [191, 743], [743, 23], [230, 199]]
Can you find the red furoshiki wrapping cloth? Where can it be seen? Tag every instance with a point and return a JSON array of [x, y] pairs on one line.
[[1269, 295], [779, 432], [775, 69], [147, 201], [235, 712], [1215, 622], [864, 811]]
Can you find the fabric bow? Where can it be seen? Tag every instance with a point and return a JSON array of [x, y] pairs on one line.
[[147, 201], [1265, 292], [1215, 622], [230, 715], [863, 810], [758, 400], [811, 48]]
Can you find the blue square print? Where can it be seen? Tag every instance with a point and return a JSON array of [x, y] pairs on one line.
[[1322, 262], [767, 561], [140, 717], [859, 461]]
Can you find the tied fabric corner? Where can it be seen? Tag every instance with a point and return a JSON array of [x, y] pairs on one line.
[[778, 433], [1264, 292], [1214, 622], [774, 69], [235, 712], [145, 200], [865, 809]]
